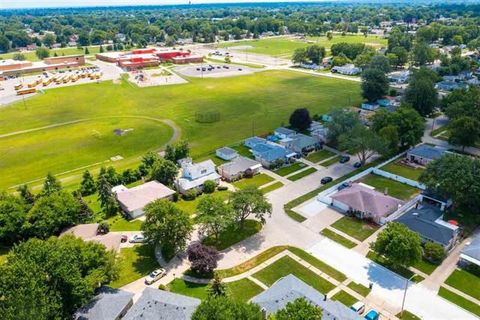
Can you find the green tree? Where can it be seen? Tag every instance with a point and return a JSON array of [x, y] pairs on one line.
[[364, 141], [86, 51], [42, 53], [12, 218], [168, 226], [217, 288], [26, 194], [223, 308], [87, 186], [299, 309], [343, 121], [250, 200], [315, 53], [434, 252], [49, 40], [401, 54], [209, 186], [51, 279], [214, 215], [106, 197], [399, 245], [19, 57], [164, 171], [177, 151], [300, 56], [380, 62], [300, 119], [374, 84], [4, 43], [51, 213], [410, 126], [464, 132], [421, 95], [422, 54], [51, 185]]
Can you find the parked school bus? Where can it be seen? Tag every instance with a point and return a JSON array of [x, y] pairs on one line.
[[26, 91]]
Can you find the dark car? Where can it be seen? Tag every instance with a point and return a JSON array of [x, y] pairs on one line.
[[357, 164], [326, 180], [344, 185], [344, 159]]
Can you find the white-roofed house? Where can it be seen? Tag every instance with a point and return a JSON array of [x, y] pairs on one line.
[[238, 167], [194, 175], [132, 201], [226, 153]]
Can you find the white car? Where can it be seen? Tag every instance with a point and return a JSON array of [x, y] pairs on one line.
[[155, 276], [138, 238], [358, 307]]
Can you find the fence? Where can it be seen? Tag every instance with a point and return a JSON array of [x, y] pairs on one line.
[[398, 178]]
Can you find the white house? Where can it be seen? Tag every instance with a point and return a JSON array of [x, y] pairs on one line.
[[226, 153], [194, 175], [239, 167]]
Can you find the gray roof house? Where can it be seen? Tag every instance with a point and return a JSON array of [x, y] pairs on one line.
[[284, 133], [156, 304], [301, 143], [424, 153], [253, 141], [471, 253], [226, 153], [268, 153], [236, 168], [108, 304], [290, 288], [428, 221]]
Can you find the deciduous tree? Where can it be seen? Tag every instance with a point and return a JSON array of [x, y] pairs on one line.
[[300, 119], [222, 308], [250, 200], [164, 171], [299, 309], [87, 186], [364, 141], [203, 259], [214, 215], [374, 84]]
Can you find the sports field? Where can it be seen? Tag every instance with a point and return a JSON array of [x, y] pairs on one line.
[[31, 56], [283, 47], [252, 104]]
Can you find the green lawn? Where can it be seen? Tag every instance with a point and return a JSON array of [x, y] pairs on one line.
[[290, 169], [190, 206], [273, 186], [403, 170], [285, 266], [284, 47], [319, 155], [345, 298], [242, 290], [338, 238], [330, 162], [31, 56], [407, 316], [356, 228], [302, 174], [425, 266], [251, 263], [459, 301], [264, 97], [257, 181], [404, 272], [243, 151], [233, 235], [320, 265], [119, 223], [134, 263], [395, 189], [466, 282], [359, 288]]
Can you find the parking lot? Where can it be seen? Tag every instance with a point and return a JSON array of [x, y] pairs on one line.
[[213, 70]]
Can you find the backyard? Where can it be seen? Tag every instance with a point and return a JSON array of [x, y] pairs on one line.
[[318, 156], [356, 228], [81, 119], [393, 188], [403, 170], [134, 263], [233, 235], [257, 181]]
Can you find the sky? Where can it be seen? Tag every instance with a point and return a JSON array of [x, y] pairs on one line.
[[5, 4]]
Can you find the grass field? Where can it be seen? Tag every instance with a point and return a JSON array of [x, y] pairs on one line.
[[190, 206], [354, 227], [404, 171], [31, 56], [459, 301], [395, 189], [263, 99], [466, 282], [345, 298], [134, 263], [233, 235], [425, 266], [320, 156], [284, 171], [338, 238], [359, 288], [302, 174], [285, 266], [283, 46], [330, 161], [257, 181], [273, 186]]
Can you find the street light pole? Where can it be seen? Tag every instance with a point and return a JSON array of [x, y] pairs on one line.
[[405, 294]]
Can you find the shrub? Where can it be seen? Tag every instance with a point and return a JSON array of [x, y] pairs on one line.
[[209, 186], [434, 252], [190, 195], [103, 227], [175, 197], [222, 188]]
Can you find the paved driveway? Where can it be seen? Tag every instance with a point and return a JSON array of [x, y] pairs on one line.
[[387, 285]]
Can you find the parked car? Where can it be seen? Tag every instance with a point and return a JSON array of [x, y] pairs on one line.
[[344, 159], [357, 164], [155, 276], [138, 238], [358, 307], [344, 185], [372, 315], [326, 180]]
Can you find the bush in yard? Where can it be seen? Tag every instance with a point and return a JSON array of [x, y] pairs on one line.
[[434, 252], [209, 186], [221, 308], [190, 195], [299, 309], [222, 188], [203, 259], [103, 227], [217, 287]]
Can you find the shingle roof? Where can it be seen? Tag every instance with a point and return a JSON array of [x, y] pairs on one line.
[[270, 151], [427, 152], [227, 151], [290, 288], [423, 220], [473, 249], [237, 165], [252, 141], [139, 196], [156, 304], [367, 200], [301, 141], [285, 131], [108, 304]]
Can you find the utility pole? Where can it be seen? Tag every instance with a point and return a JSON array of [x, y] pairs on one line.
[[405, 295]]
